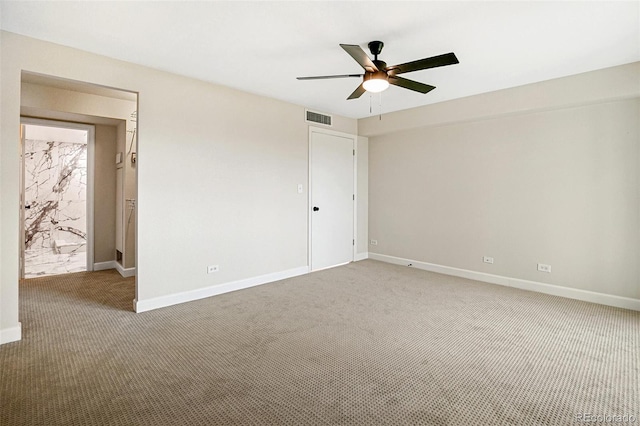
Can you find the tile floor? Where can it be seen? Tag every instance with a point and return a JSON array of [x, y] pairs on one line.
[[42, 262]]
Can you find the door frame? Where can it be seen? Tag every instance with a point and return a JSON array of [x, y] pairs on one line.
[[354, 139], [24, 120]]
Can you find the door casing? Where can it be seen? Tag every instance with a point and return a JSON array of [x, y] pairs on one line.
[[90, 180]]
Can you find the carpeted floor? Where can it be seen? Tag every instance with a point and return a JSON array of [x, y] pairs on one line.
[[363, 344]]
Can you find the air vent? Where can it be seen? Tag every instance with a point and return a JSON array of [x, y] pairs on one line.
[[316, 117]]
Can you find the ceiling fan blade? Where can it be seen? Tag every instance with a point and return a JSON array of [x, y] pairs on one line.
[[360, 56], [410, 84], [423, 64], [357, 93], [323, 77]]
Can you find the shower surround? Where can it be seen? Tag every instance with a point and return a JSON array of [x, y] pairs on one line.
[[55, 207]]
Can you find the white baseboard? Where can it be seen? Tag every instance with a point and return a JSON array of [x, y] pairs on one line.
[[361, 256], [555, 290], [201, 293], [103, 266], [125, 272], [13, 334]]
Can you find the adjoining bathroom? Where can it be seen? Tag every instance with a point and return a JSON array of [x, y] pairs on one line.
[[55, 199], [78, 162]]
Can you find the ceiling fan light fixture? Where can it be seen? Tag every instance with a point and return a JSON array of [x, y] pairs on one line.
[[375, 82]]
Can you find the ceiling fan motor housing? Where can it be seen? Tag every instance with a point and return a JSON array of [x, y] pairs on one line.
[[381, 65], [376, 47]]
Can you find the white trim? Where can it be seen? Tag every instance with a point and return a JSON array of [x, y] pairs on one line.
[[555, 290], [103, 266], [91, 141], [354, 139], [12, 334], [125, 272], [361, 256], [309, 199], [22, 249], [355, 198], [136, 246], [201, 293]]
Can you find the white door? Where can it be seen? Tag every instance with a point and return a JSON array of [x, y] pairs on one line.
[[332, 199]]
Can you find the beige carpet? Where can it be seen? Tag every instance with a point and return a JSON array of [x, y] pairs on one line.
[[363, 344]]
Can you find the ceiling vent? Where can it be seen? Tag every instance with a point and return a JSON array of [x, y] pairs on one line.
[[316, 117]]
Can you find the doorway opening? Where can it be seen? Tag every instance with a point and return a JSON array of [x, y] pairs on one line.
[[106, 166], [56, 197]]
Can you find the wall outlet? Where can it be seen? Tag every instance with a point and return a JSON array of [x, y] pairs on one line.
[[544, 268], [373, 242], [212, 268], [487, 259]]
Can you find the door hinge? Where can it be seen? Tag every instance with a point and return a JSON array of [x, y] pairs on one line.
[[354, 152], [353, 242], [354, 197]]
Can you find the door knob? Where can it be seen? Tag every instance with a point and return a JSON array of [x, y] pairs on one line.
[[315, 209]]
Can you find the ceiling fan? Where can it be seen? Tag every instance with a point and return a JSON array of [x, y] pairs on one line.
[[377, 75]]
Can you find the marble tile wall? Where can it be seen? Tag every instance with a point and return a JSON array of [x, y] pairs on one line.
[[55, 195]]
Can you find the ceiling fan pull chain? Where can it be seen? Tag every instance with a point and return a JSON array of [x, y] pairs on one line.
[[370, 103], [380, 107]]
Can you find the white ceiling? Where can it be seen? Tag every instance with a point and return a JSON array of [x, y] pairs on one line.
[[261, 47]]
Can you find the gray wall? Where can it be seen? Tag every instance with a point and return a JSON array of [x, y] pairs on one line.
[[558, 186]]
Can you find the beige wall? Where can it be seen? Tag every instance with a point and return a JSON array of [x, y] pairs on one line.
[[104, 224], [342, 124], [217, 169], [48, 98], [622, 82], [362, 203], [552, 183]]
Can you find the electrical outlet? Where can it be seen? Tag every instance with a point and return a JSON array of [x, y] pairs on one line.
[[487, 259], [374, 242], [544, 268], [212, 268]]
